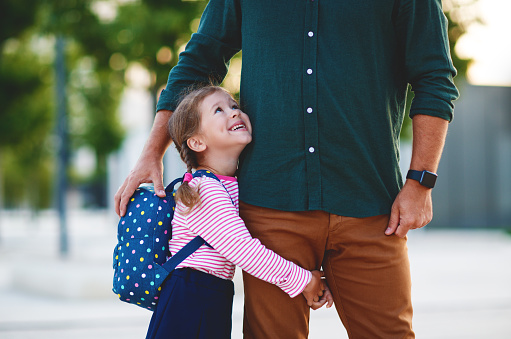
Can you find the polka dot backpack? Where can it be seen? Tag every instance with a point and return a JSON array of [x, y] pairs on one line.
[[140, 256]]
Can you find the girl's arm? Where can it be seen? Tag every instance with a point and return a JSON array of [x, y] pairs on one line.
[[217, 221]]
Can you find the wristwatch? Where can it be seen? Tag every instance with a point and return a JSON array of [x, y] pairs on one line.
[[425, 178]]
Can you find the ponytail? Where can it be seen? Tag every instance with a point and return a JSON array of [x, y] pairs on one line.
[[186, 194]]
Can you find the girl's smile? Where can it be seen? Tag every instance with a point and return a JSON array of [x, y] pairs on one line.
[[238, 126]]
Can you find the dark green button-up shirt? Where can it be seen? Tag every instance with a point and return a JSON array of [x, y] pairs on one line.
[[324, 83]]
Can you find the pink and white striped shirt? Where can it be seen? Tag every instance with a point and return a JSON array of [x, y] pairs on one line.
[[217, 221]]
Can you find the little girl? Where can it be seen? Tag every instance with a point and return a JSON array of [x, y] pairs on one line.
[[210, 131]]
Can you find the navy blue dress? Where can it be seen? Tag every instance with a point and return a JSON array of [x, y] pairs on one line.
[[193, 304]]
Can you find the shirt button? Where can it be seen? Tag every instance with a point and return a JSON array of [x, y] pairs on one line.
[[311, 34], [309, 110], [309, 71], [311, 149]]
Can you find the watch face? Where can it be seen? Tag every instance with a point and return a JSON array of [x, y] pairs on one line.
[[428, 179]]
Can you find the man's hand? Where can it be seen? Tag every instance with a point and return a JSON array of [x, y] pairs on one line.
[[412, 209], [149, 167], [146, 170]]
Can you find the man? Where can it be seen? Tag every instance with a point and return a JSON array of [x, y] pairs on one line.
[[324, 83]]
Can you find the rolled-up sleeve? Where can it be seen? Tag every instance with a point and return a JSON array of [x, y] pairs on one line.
[[422, 30], [207, 54]]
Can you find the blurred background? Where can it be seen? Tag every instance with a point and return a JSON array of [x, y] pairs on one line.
[[78, 86]]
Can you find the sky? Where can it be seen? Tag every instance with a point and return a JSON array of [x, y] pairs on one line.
[[489, 44]]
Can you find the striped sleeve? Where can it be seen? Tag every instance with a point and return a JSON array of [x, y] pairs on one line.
[[217, 221]]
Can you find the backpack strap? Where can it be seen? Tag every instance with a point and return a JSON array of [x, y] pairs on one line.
[[205, 173], [170, 187], [183, 253]]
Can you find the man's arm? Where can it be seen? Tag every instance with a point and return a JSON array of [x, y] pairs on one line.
[[421, 28], [149, 166], [204, 59], [413, 206]]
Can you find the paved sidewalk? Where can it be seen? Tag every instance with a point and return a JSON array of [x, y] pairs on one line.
[[461, 283]]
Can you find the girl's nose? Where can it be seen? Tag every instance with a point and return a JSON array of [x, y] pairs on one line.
[[235, 113]]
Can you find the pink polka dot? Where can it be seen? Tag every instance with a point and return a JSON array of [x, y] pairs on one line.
[[136, 284], [133, 251], [150, 266], [138, 205], [148, 220]]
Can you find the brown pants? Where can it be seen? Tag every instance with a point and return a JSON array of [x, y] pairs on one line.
[[367, 272]]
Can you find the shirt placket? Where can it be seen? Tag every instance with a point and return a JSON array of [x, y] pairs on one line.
[[309, 95]]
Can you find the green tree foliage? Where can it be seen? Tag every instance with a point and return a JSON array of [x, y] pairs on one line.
[[15, 16], [151, 32], [144, 32], [99, 50], [20, 74], [26, 122]]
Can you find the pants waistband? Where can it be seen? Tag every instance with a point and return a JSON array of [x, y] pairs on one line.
[[205, 280]]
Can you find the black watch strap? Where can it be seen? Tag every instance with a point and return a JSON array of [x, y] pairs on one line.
[[425, 178]]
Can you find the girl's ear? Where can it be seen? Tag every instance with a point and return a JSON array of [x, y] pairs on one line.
[[196, 144]]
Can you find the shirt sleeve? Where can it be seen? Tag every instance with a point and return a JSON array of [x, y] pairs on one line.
[[207, 54], [421, 27], [216, 220]]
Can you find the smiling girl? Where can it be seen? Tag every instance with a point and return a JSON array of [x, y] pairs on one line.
[[210, 131]]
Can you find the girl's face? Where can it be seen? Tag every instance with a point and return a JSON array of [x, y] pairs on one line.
[[224, 126]]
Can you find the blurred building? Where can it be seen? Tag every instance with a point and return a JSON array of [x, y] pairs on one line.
[[474, 183]]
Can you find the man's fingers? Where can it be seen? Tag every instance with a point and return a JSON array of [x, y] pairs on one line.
[[402, 230], [393, 221], [117, 198], [126, 195], [158, 187], [407, 223]]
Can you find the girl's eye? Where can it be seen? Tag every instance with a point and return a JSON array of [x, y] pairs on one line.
[[218, 110], [235, 107]]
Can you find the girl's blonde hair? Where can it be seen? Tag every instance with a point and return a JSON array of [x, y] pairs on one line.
[[184, 123]]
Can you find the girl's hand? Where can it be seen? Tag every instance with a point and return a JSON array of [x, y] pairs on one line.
[[314, 289]]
